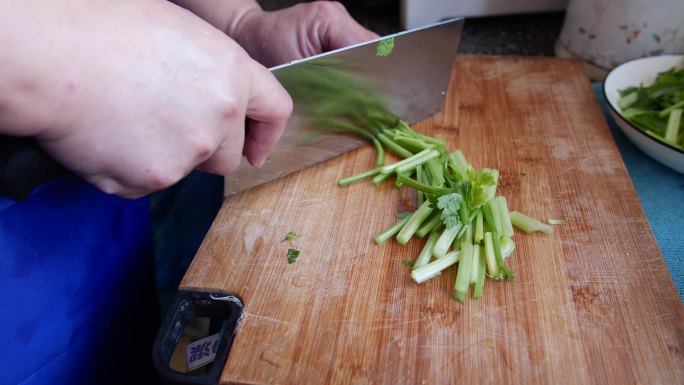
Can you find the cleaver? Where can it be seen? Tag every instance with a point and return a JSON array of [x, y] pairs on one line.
[[410, 79]]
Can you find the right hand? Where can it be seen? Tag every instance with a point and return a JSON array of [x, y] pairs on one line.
[[142, 92]]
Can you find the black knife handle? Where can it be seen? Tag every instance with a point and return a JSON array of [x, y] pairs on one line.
[[24, 165]]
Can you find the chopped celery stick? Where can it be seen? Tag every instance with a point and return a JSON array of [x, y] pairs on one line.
[[420, 196], [459, 164], [445, 240], [488, 217], [507, 247], [410, 182], [436, 173], [494, 207], [358, 177], [393, 146], [426, 254], [628, 100], [558, 221], [479, 228], [414, 222], [499, 257], [463, 274], [413, 143], [491, 190], [492, 267], [475, 270], [378, 179], [428, 139], [482, 270], [432, 224], [433, 268], [392, 167], [380, 160], [409, 166], [391, 231], [529, 225], [467, 235], [504, 216], [673, 124]]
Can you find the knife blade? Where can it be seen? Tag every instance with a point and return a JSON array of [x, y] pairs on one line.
[[411, 82]]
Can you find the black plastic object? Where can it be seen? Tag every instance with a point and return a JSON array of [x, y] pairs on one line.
[[24, 165], [224, 310]]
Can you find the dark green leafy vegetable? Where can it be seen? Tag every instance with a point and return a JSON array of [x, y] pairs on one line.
[[656, 109], [292, 255]]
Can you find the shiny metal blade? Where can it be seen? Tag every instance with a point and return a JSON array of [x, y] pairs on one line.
[[411, 81]]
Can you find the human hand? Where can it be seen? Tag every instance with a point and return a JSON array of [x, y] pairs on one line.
[[297, 32], [141, 93]]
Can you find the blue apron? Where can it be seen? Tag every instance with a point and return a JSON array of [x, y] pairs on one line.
[[77, 287]]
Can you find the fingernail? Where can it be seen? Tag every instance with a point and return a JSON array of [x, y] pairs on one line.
[[109, 185], [259, 162]]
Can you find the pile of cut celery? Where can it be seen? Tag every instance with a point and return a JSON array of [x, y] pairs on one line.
[[465, 222]]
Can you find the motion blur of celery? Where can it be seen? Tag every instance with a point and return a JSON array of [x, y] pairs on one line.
[[465, 222], [657, 109]]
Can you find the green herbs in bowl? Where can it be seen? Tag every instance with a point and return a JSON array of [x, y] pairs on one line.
[[646, 99]]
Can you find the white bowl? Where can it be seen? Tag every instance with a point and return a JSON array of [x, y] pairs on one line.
[[637, 72]]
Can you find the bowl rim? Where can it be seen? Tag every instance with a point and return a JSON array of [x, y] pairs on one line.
[[617, 112]]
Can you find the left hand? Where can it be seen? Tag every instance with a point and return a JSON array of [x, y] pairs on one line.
[[303, 30]]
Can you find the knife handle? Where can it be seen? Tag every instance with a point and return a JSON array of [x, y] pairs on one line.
[[224, 311], [24, 165]]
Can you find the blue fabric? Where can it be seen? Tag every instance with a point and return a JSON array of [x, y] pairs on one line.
[[77, 296], [182, 215], [661, 191]]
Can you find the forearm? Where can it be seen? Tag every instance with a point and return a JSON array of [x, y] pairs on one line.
[[225, 15]]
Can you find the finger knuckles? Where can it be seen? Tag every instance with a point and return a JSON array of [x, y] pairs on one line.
[[162, 177], [326, 10]]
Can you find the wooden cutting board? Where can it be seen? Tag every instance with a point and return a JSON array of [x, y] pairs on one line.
[[592, 304]]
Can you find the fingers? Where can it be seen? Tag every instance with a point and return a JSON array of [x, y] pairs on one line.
[[268, 110], [338, 29]]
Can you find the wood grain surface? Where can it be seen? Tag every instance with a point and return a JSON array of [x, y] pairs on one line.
[[592, 304]]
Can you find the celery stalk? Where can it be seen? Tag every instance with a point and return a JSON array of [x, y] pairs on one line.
[[491, 190], [429, 225], [504, 216], [433, 268], [426, 254], [388, 233], [499, 257], [463, 274], [529, 225], [482, 270], [507, 247], [492, 266], [414, 222], [357, 177], [489, 218], [479, 228], [475, 270], [444, 242], [673, 124], [414, 158], [394, 147]]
